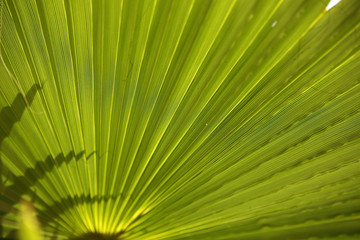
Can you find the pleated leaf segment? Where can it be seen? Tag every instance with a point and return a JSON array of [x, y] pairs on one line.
[[181, 119]]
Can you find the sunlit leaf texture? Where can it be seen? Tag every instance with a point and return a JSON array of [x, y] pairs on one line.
[[181, 119]]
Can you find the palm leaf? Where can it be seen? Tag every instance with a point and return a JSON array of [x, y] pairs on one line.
[[191, 119]]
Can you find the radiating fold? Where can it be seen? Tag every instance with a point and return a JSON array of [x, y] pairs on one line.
[[192, 119]]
